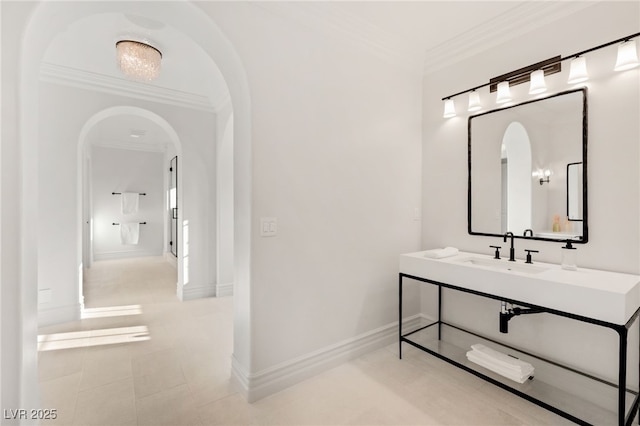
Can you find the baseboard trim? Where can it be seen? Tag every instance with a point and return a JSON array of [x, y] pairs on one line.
[[264, 383], [171, 259], [125, 254], [59, 314], [191, 292], [223, 290]]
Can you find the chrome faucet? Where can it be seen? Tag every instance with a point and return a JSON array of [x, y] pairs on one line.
[[512, 251], [530, 231]]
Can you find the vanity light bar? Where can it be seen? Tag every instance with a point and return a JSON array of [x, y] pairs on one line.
[[627, 59]]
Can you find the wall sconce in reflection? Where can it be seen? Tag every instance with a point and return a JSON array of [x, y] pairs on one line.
[[542, 174]]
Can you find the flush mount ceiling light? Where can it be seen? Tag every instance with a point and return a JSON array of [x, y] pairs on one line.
[[137, 133], [138, 60]]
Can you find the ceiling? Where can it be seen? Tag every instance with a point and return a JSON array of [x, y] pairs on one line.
[[420, 35], [132, 132]]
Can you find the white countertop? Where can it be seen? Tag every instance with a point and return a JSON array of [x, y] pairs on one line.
[[607, 296]]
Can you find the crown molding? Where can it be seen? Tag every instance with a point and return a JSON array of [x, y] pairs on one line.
[[393, 48], [132, 145], [518, 21], [58, 74]]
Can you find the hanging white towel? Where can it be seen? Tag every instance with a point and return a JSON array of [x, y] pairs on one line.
[[130, 202], [441, 253], [129, 233]]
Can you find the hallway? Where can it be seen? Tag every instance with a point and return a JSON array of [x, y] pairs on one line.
[[141, 357]]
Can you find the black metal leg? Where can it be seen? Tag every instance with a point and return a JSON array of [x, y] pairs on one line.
[[400, 316], [439, 312], [622, 376]]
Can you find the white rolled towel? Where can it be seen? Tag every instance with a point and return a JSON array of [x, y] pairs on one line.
[[441, 252]]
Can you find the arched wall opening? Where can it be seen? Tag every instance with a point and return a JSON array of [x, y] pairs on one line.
[[517, 179], [50, 18], [84, 164]]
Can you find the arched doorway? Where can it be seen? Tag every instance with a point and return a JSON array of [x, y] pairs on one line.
[[50, 19], [516, 179]]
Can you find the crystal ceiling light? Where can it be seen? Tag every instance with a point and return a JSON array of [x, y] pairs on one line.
[[138, 60]]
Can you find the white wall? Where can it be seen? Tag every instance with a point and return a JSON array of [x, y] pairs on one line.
[[336, 159], [119, 170], [613, 176], [224, 169]]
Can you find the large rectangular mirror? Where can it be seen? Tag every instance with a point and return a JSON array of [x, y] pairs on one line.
[[528, 169]]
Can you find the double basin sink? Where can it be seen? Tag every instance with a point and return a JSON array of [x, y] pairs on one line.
[[602, 295]]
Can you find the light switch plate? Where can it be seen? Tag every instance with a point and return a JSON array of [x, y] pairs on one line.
[[268, 226], [44, 296]]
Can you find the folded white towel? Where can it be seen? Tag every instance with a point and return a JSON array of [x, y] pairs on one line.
[[129, 233], [508, 361], [497, 368], [523, 372], [441, 252], [130, 201]]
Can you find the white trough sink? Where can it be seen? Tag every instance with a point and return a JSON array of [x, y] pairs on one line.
[[503, 265], [607, 296]]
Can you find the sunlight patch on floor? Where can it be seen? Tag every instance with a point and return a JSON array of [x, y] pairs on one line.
[[111, 311], [80, 339]]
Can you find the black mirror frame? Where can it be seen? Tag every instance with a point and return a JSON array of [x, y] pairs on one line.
[[585, 222]]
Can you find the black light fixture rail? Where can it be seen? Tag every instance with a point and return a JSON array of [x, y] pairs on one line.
[[549, 66]]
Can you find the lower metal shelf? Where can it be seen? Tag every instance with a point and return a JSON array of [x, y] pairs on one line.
[[581, 398]]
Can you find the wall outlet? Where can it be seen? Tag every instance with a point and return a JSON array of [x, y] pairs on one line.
[[268, 226]]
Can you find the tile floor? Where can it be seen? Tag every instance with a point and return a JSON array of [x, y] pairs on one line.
[[141, 357]]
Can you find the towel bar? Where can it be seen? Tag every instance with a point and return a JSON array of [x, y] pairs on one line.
[[141, 223], [120, 193]]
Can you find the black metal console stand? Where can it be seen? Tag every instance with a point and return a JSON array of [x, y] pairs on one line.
[[625, 417]]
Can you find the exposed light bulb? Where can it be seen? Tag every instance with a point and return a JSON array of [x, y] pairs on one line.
[[474, 101], [504, 94], [449, 108], [578, 71]]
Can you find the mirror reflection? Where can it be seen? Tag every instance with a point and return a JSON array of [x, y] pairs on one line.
[[527, 171]]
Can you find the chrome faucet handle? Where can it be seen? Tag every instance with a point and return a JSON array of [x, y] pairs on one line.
[[529, 255], [497, 253]]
